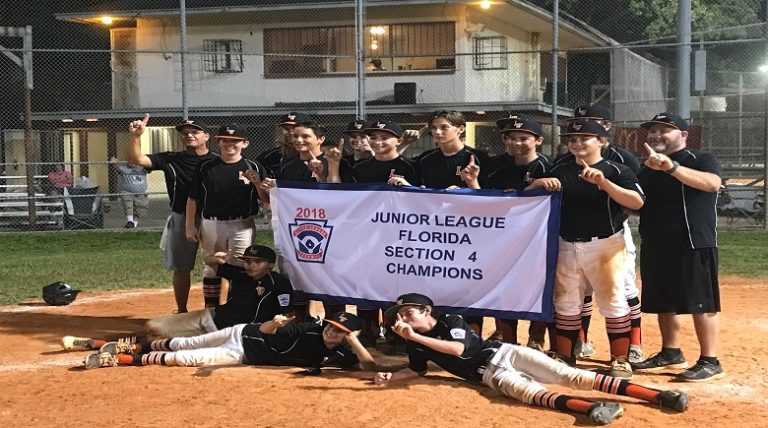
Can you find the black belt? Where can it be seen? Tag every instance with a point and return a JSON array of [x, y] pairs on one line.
[[588, 238], [225, 218]]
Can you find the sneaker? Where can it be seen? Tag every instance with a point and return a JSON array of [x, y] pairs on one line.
[[621, 368], [124, 345], [702, 371], [583, 349], [603, 413], [100, 359], [73, 343], [569, 361], [674, 400], [659, 362], [635, 354], [535, 344], [129, 225]]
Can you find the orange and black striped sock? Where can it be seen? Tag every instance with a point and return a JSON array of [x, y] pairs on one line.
[[562, 402], [586, 318], [154, 358], [635, 317], [160, 345], [618, 335], [567, 333], [616, 386], [211, 291], [124, 359]]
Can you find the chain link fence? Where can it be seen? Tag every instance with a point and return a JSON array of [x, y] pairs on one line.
[[95, 68]]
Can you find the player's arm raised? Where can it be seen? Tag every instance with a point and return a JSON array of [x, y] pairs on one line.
[[701, 180], [624, 197], [271, 326], [364, 357], [334, 163], [133, 153]]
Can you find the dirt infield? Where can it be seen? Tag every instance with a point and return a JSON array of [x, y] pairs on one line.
[[43, 386]]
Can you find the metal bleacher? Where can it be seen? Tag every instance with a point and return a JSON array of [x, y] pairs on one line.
[[14, 205]]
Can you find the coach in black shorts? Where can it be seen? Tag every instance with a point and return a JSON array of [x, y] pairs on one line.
[[179, 169], [679, 257]]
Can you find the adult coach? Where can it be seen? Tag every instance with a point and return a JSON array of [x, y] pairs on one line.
[[178, 168], [679, 256], [227, 201], [515, 371]]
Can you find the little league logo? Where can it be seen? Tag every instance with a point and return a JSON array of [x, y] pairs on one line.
[[310, 239]]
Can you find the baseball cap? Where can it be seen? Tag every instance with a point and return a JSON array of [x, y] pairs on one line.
[[260, 252], [345, 321], [388, 126], [292, 118], [585, 127], [519, 122], [197, 124], [358, 125], [232, 131], [409, 299], [669, 119], [594, 112]]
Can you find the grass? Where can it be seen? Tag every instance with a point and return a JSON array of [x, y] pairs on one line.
[[120, 260], [86, 261]]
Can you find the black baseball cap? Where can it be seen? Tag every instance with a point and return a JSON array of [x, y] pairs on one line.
[[345, 321], [409, 299], [356, 126], [669, 119], [593, 111], [197, 124], [260, 252], [293, 118], [232, 131], [388, 126], [519, 122], [585, 127]]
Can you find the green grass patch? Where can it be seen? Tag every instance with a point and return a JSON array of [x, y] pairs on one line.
[[86, 260], [119, 260]]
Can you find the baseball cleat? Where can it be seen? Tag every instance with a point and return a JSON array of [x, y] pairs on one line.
[[674, 400], [583, 349], [635, 354], [603, 413], [702, 371], [74, 343], [620, 368], [658, 362], [100, 359], [124, 345]]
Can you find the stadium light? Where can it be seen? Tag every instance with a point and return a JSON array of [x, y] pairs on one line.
[[485, 4], [763, 68]]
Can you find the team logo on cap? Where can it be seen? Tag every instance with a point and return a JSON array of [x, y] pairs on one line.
[[660, 116], [230, 131], [358, 126], [513, 116], [399, 302], [189, 122], [582, 112], [381, 125], [310, 239], [577, 126], [518, 124], [291, 116], [342, 318]]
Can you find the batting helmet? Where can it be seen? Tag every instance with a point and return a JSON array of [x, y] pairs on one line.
[[59, 294]]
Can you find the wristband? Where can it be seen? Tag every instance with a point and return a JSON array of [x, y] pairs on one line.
[[675, 165]]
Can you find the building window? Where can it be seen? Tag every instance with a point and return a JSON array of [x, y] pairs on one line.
[[490, 53], [311, 52], [223, 56]]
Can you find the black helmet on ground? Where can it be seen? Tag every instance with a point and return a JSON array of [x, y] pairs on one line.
[[59, 294]]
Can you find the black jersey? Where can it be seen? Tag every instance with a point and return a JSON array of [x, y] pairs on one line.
[[499, 161], [299, 344], [439, 171], [252, 300], [454, 329], [676, 213], [272, 160], [222, 190], [179, 169], [586, 210], [518, 177], [376, 171], [296, 170], [612, 153]]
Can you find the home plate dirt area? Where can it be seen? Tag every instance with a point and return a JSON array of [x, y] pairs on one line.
[[42, 385]]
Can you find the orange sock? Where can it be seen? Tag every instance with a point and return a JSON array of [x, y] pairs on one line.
[[634, 336], [620, 347], [124, 359]]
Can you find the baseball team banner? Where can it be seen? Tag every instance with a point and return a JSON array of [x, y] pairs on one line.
[[475, 252]]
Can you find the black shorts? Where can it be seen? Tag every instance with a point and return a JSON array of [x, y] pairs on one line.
[[678, 279]]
